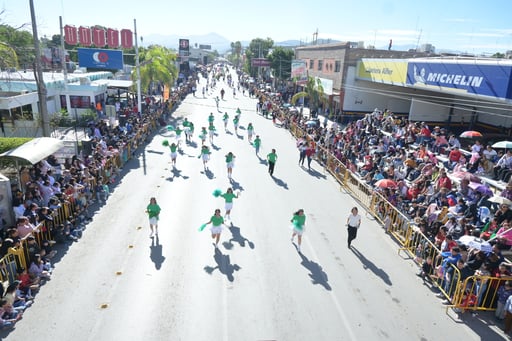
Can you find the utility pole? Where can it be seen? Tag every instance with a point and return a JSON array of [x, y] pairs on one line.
[[137, 63], [41, 87]]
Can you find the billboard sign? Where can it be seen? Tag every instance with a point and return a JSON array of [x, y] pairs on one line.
[[205, 47], [260, 62], [387, 71], [299, 71], [100, 59], [184, 47], [476, 78]]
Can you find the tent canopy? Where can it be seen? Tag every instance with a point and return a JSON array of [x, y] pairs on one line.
[[34, 150]]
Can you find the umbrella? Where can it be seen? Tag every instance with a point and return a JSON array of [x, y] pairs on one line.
[[386, 183], [498, 199], [470, 134], [460, 175], [475, 243], [484, 190], [480, 244], [503, 144]]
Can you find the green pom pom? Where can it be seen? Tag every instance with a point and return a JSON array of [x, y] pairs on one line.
[[238, 111], [217, 193], [170, 127], [165, 143], [202, 227]]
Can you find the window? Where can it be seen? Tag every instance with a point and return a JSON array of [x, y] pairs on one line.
[[320, 65], [337, 66], [23, 113], [80, 102], [311, 64]]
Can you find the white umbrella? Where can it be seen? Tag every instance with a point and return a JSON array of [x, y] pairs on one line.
[[503, 144], [498, 199], [480, 244], [475, 243]]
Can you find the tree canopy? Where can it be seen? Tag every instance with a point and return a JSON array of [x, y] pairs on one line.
[[258, 48], [281, 62], [157, 65], [16, 47]]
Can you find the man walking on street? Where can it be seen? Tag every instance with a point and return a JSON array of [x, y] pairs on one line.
[[353, 223], [271, 158]]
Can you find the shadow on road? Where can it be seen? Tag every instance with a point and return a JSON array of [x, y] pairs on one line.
[[237, 237], [223, 265], [315, 173], [316, 273], [235, 185], [156, 252], [154, 151], [209, 174], [280, 182], [368, 264], [176, 173]]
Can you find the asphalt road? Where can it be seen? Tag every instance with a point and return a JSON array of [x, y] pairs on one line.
[[116, 283]]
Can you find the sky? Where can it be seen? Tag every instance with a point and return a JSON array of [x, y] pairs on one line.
[[469, 26]]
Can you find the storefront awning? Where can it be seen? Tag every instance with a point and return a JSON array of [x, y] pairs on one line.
[[34, 150]]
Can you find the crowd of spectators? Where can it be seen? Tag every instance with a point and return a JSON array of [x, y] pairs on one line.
[[427, 174], [82, 184]]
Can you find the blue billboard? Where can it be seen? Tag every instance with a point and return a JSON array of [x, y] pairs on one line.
[[479, 79], [100, 59]]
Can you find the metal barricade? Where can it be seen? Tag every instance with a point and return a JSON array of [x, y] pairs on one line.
[[478, 293]]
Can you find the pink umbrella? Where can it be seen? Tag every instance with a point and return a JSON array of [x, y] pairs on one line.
[[386, 183], [471, 134]]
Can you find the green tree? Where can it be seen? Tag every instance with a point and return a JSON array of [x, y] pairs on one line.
[[156, 65], [281, 62], [236, 51], [19, 41], [313, 91], [258, 48], [498, 55]]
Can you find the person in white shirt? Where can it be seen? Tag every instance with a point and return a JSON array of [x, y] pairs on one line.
[[353, 224]]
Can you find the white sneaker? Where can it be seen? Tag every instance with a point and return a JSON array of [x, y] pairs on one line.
[[298, 248], [151, 234]]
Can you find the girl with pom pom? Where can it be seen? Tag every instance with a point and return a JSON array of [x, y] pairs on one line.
[[230, 163], [228, 202], [298, 221], [205, 155], [216, 222], [203, 135]]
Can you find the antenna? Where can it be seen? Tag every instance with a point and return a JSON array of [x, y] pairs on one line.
[[418, 41], [315, 37]]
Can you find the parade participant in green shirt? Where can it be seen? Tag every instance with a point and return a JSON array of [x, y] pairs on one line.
[[211, 118], [203, 135], [178, 132], [225, 118], [228, 197], [257, 144], [205, 155], [236, 121], [250, 132], [230, 163], [298, 225], [173, 147], [216, 222], [153, 211], [211, 132], [271, 158]]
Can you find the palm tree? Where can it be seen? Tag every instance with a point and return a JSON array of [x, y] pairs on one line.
[[157, 65], [313, 91]]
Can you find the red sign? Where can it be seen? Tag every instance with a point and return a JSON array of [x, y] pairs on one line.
[[113, 38], [70, 35], [126, 39], [98, 37], [84, 33], [260, 62]]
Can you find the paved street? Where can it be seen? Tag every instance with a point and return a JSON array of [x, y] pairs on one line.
[[118, 284]]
